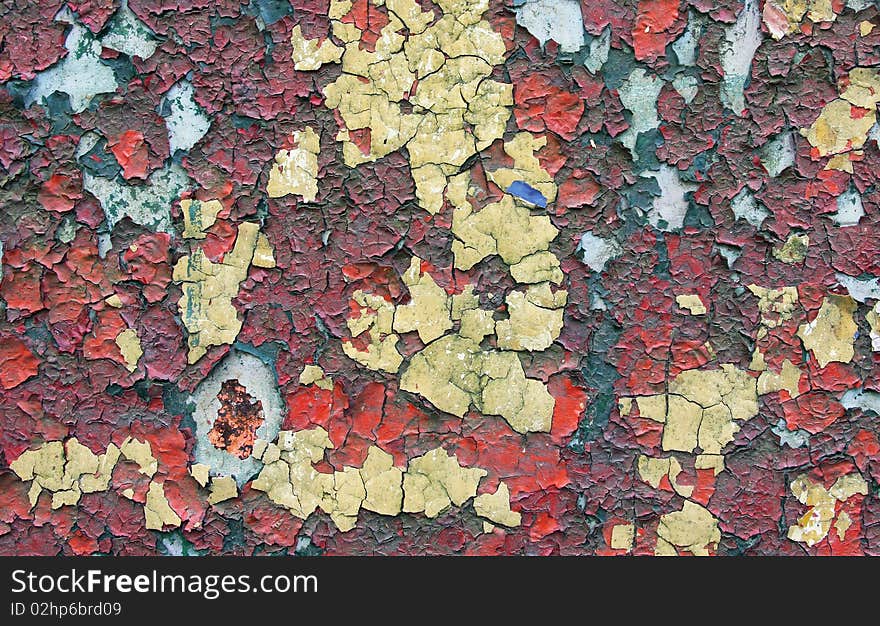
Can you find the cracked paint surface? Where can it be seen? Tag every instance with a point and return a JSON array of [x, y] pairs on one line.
[[480, 277]]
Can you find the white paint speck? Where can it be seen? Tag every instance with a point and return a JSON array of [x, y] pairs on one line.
[[671, 206], [849, 208], [745, 207], [185, 120], [596, 251], [81, 74], [778, 154], [860, 289], [128, 35], [741, 40], [559, 20]]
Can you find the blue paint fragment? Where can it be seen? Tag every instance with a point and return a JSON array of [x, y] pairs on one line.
[[523, 190]]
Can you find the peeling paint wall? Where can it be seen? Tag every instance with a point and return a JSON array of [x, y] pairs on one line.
[[440, 277]]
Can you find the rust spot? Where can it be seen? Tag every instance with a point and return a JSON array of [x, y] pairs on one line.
[[237, 421]]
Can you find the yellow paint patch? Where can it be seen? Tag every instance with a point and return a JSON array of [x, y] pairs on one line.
[[130, 346], [794, 250], [429, 309], [623, 536], [535, 319], [69, 469], [814, 525], [208, 289], [454, 372], [222, 488], [295, 171], [691, 302], [311, 54], [157, 511], [199, 471], [839, 128], [526, 167], [830, 336], [496, 507], [702, 408], [435, 480], [443, 67], [377, 318], [506, 228], [693, 529], [314, 375], [793, 13], [430, 484], [775, 305], [788, 379], [199, 216]]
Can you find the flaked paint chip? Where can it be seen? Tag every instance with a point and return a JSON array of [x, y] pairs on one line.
[[81, 74], [691, 302], [559, 20], [208, 290], [186, 121], [295, 171], [831, 334]]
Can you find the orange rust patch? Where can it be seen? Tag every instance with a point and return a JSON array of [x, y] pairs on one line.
[[238, 419]]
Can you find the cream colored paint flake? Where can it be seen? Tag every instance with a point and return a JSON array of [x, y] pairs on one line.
[[526, 167], [453, 373], [623, 536], [496, 507], [430, 484], [842, 524], [157, 511], [382, 482], [830, 336], [311, 54], [683, 420], [702, 408], [115, 301], [130, 346], [428, 311], [435, 480], [199, 216], [693, 529], [775, 305], [535, 319], [506, 228], [788, 379], [784, 17], [873, 319], [714, 462], [653, 470], [794, 250], [208, 289], [537, 268], [141, 453], [442, 66], [199, 471], [691, 302], [263, 255], [314, 375], [69, 469], [222, 488], [839, 128], [376, 317], [653, 407], [814, 525], [295, 171], [446, 373]]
